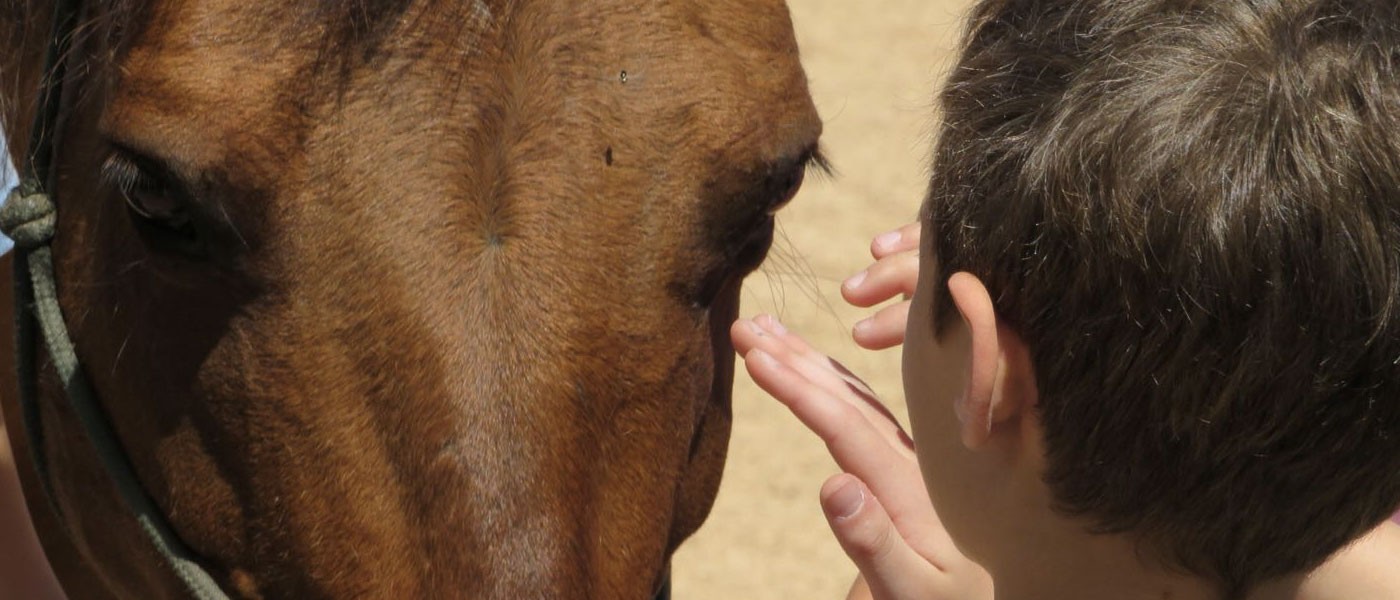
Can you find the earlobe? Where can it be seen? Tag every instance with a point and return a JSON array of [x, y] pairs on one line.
[[995, 391]]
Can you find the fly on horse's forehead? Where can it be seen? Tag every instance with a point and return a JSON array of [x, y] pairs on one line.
[[271, 350]]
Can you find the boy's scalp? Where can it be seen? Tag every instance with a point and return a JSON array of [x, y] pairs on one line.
[[1191, 211]]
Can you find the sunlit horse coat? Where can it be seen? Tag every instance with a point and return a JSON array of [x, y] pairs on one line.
[[405, 298]]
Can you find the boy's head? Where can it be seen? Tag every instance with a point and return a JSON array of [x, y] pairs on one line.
[[1189, 212]]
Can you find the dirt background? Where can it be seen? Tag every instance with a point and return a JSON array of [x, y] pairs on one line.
[[874, 67]]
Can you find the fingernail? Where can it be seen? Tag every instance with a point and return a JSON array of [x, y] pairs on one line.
[[777, 326], [863, 327], [847, 500], [885, 240], [855, 280], [761, 356], [752, 326]]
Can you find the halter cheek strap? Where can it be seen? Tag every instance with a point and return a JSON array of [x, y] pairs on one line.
[[29, 217]]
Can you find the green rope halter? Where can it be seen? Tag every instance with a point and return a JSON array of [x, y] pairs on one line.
[[29, 218]]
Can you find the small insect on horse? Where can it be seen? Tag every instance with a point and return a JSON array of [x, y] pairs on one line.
[[387, 298]]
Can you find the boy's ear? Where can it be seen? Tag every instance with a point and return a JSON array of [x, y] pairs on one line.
[[1000, 380]]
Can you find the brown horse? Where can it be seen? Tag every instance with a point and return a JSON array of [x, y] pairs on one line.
[[403, 298]]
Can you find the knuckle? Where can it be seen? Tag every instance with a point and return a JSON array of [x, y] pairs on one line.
[[876, 542]]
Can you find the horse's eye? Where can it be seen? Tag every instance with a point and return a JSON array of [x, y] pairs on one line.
[[790, 184], [740, 229], [159, 209]]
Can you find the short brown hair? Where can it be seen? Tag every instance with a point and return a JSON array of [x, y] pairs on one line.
[[1190, 210]]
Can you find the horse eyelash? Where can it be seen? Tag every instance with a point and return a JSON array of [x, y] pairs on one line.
[[816, 162], [124, 174]]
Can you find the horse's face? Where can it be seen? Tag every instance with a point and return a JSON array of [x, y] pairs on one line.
[[416, 299]]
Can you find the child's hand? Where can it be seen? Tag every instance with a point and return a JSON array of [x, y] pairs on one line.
[[880, 511], [896, 271]]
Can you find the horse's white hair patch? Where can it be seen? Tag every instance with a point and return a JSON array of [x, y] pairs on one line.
[[477, 22], [481, 12]]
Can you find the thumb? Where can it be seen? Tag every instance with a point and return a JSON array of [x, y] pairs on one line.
[[889, 565]]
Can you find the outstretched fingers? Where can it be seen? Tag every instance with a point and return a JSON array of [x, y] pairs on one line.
[[880, 512], [767, 333], [863, 440], [895, 270], [854, 443], [895, 274]]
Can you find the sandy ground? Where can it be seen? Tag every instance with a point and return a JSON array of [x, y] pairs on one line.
[[874, 68]]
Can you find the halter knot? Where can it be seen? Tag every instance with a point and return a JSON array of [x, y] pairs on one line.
[[28, 217]]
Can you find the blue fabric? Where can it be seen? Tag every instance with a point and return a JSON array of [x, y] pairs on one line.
[[8, 180]]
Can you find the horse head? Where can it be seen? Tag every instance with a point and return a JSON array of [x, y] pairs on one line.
[[405, 298]]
